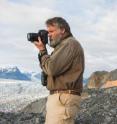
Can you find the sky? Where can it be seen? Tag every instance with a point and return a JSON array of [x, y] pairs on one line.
[[93, 23]]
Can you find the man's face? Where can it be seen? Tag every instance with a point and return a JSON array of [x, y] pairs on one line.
[[55, 34]]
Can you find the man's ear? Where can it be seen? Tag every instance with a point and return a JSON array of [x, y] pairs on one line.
[[63, 31]]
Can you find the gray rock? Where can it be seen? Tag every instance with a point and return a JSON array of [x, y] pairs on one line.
[[99, 108], [38, 106], [21, 118]]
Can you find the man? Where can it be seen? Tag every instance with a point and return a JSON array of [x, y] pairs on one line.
[[64, 69]]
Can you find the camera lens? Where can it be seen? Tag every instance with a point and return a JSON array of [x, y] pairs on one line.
[[32, 37]]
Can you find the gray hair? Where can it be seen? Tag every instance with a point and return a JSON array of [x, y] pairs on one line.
[[61, 23]]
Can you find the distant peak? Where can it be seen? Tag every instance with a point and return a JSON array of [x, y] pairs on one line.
[[9, 69]]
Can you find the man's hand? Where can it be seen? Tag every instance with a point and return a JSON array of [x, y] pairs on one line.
[[39, 44]]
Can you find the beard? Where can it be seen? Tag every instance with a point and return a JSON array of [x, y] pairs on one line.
[[55, 42]]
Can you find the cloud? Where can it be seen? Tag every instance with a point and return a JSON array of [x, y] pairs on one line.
[[93, 23], [98, 37], [16, 20]]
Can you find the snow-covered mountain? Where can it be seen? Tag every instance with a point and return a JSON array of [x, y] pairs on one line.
[[15, 73], [12, 73], [34, 76]]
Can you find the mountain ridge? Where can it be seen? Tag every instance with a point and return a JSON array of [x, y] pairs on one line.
[[100, 78], [15, 73]]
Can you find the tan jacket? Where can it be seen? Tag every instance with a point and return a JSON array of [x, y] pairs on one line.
[[65, 66]]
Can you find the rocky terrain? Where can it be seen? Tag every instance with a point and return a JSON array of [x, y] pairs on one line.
[[99, 78], [98, 106], [110, 84]]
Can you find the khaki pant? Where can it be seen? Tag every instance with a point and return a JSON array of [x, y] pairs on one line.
[[62, 108]]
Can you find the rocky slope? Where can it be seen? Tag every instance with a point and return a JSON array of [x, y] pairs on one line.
[[99, 78], [98, 107], [110, 84]]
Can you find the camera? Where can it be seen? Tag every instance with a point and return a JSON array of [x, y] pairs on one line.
[[43, 78], [43, 34]]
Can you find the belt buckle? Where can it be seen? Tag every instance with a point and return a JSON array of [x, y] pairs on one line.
[[69, 91], [57, 91]]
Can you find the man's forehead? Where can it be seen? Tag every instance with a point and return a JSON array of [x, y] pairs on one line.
[[52, 25]]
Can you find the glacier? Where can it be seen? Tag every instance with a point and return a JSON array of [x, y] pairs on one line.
[[17, 94]]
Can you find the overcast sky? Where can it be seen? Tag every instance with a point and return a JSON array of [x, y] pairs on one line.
[[92, 22]]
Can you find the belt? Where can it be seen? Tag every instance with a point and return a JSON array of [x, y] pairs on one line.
[[65, 91]]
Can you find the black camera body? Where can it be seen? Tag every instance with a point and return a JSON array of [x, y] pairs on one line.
[[43, 78], [43, 34]]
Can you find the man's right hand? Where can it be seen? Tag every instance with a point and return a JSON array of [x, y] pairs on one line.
[[39, 44]]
